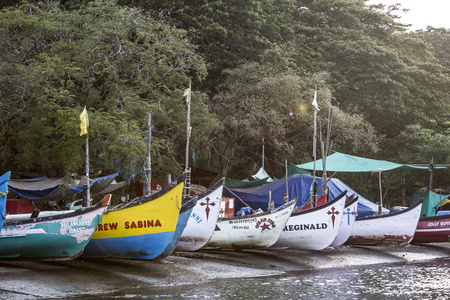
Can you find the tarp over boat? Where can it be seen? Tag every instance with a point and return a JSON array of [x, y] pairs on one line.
[[258, 180], [431, 202], [44, 188], [345, 163], [299, 185]]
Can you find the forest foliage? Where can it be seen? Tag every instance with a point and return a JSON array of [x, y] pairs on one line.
[[253, 66]]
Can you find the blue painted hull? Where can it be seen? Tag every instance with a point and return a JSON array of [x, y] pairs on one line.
[[130, 247], [3, 195], [183, 218]]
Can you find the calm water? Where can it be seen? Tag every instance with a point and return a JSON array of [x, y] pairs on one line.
[[429, 280]]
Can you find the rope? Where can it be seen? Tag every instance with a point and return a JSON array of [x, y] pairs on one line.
[[240, 199]]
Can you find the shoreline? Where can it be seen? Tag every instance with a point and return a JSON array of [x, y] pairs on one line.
[[100, 277]]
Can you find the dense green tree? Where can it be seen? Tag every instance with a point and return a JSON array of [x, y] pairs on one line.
[[118, 62]]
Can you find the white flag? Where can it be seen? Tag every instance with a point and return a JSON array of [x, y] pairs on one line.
[[314, 103]]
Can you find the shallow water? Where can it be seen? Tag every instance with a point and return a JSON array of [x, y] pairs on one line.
[[428, 280]]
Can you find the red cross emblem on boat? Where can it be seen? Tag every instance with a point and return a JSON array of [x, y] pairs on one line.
[[333, 214], [207, 209]]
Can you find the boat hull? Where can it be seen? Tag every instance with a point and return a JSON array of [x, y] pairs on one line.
[[185, 213], [202, 221], [3, 195], [258, 231], [55, 237], [395, 229], [434, 229], [140, 229], [313, 229], [347, 222]]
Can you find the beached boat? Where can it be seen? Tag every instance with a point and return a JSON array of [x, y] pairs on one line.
[[391, 229], [202, 222], [434, 229], [185, 213], [347, 222], [141, 228], [315, 228], [3, 195], [254, 231], [52, 235]]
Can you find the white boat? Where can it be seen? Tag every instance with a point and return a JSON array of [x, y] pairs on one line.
[[390, 229], [203, 219], [254, 231], [348, 221], [315, 228]]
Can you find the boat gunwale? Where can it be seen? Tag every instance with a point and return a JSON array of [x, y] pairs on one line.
[[268, 212], [409, 209], [351, 200], [145, 199], [53, 217], [432, 218], [336, 199], [213, 188]]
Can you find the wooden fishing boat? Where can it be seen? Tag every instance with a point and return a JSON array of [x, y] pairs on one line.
[[435, 229], [185, 213], [53, 235], [315, 228], [3, 195], [202, 222], [347, 222], [255, 231], [141, 228], [396, 229]]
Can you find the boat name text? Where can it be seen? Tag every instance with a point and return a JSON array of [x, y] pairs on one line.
[[130, 225], [305, 227]]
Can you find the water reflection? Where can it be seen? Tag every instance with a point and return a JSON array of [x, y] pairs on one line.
[[394, 281]]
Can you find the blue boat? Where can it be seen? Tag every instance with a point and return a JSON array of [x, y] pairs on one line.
[[183, 218], [3, 193]]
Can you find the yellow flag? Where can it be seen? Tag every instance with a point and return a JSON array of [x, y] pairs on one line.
[[84, 122]]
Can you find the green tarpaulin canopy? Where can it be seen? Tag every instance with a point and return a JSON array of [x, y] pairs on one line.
[[345, 163], [431, 202]]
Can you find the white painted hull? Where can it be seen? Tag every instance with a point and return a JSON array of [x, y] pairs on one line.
[[315, 228], [347, 223], [203, 219], [258, 231], [391, 229]]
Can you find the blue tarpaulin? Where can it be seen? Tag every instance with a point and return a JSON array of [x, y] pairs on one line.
[[299, 185]]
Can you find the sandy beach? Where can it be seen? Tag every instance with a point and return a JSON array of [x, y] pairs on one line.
[[66, 279]]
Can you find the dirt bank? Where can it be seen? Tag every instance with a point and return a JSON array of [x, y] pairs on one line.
[[34, 280]]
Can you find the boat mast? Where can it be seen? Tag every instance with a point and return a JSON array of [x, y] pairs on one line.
[[263, 154], [187, 94], [148, 165], [316, 109]]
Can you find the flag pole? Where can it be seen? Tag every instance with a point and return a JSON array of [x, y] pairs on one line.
[[84, 130], [88, 190]]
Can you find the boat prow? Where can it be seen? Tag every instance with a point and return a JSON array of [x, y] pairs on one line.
[[255, 231], [315, 228], [395, 229]]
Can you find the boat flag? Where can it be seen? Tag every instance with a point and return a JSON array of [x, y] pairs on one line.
[[84, 122], [314, 103]]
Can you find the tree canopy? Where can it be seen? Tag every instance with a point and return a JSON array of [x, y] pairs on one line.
[[254, 66]]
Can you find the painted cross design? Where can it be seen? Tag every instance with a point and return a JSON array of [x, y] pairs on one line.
[[348, 213], [207, 209], [333, 214]]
